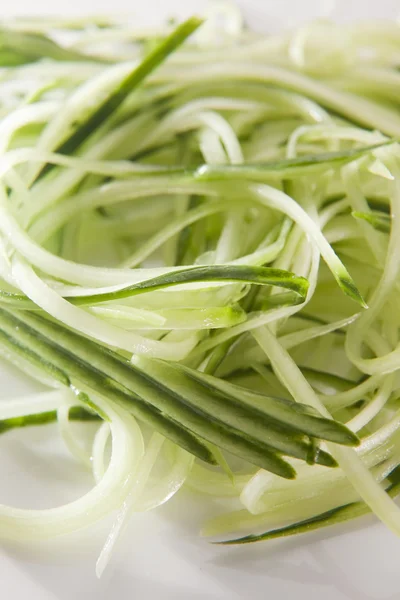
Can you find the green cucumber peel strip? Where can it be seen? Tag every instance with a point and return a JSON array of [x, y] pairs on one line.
[[130, 83], [76, 413], [229, 273], [335, 516], [218, 273], [289, 413], [254, 422]]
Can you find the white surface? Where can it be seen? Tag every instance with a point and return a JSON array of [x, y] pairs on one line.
[[268, 14], [161, 556]]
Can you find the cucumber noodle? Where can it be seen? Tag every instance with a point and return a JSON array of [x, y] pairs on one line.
[[199, 244]]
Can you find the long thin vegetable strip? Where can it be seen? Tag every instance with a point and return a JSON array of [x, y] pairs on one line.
[[230, 273], [129, 83], [76, 449], [181, 464], [140, 480], [276, 199], [43, 402], [178, 382], [332, 517], [288, 167], [253, 172], [99, 446], [28, 47], [76, 413], [234, 273], [292, 415], [22, 524]]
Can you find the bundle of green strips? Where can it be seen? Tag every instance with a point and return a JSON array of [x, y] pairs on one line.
[[199, 250]]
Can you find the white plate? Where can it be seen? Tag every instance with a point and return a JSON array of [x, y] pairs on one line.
[[161, 555]]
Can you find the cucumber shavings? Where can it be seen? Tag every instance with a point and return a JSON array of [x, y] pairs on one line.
[[199, 251]]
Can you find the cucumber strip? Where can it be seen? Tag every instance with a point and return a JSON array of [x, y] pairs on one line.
[[29, 47], [291, 414], [229, 273], [255, 422], [289, 167], [76, 413], [129, 83], [17, 338]]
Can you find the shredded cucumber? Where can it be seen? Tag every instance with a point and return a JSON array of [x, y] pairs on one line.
[[199, 242]]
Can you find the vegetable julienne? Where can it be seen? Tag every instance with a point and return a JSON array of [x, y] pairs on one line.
[[190, 251]]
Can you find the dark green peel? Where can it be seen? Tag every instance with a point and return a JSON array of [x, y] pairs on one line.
[[76, 413], [290, 414], [229, 273], [251, 421]]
